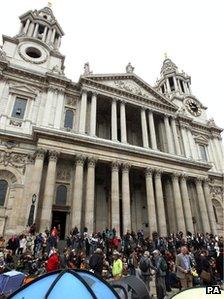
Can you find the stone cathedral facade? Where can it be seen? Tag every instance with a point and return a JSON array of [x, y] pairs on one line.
[[107, 151]]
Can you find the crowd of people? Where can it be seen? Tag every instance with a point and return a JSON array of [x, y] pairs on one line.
[[175, 261]]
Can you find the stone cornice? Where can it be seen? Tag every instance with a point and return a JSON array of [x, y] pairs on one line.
[[122, 148], [118, 92]]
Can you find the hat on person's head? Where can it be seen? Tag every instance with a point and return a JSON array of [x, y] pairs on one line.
[[98, 250], [156, 252], [116, 253], [146, 253]]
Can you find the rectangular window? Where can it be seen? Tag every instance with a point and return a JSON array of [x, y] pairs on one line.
[[19, 108], [203, 154]]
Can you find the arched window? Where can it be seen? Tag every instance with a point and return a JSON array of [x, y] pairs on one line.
[[61, 195], [69, 116], [3, 191]]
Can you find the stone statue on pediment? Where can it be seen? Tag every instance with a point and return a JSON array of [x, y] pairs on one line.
[[129, 68], [87, 71], [211, 122], [56, 70]]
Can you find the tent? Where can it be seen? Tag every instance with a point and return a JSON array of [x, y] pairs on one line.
[[10, 281], [67, 284]]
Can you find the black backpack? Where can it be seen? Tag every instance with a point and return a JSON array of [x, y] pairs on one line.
[[143, 265]]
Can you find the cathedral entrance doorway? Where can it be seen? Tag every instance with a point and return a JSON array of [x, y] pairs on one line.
[[59, 221]]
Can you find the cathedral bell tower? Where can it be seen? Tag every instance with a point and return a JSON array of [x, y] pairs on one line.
[[176, 86], [36, 47], [173, 82]]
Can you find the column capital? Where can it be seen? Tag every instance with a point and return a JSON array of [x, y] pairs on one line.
[[30, 159], [126, 167], [205, 180], [183, 176], [149, 172], [92, 161], [143, 108], [40, 153], [53, 155], [173, 117], [158, 172], [114, 99], [115, 165], [123, 102], [175, 175], [165, 115], [95, 93], [80, 159], [84, 90], [199, 179]]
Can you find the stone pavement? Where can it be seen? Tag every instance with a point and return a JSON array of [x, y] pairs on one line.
[[153, 291]]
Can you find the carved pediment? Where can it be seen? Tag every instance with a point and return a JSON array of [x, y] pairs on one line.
[[201, 139], [23, 90], [131, 83]]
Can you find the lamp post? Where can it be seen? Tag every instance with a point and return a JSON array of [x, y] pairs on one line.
[[32, 209]]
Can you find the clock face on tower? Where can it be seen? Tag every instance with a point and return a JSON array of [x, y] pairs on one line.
[[193, 107]]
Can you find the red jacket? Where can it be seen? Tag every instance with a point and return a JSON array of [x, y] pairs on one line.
[[52, 263]]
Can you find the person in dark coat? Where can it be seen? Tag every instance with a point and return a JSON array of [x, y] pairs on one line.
[[96, 262], [13, 244]]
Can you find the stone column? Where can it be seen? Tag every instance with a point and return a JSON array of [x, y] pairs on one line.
[[126, 205], [46, 213], [160, 204], [185, 141], [150, 202], [152, 131], [82, 117], [168, 134], [114, 120], [77, 192], [178, 203], [30, 30], [93, 114], [49, 36], [26, 26], [36, 30], [202, 206], [36, 177], [175, 83], [53, 36], [144, 128], [90, 195], [186, 203], [190, 142], [115, 202], [209, 205], [168, 85], [214, 155], [123, 122], [219, 153], [44, 34], [176, 140]]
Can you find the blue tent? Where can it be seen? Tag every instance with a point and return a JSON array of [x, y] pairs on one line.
[[67, 284]]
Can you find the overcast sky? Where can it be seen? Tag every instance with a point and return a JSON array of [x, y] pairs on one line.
[[110, 33]]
